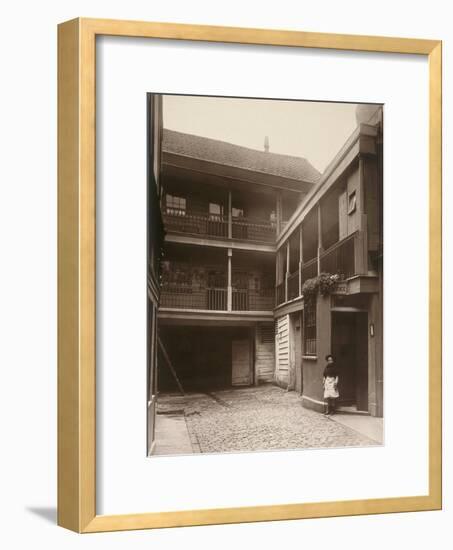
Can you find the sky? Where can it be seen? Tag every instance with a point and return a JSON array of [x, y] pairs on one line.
[[313, 130]]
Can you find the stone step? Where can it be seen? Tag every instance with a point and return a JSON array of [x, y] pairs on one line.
[[351, 410]]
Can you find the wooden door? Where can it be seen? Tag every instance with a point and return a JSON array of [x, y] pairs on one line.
[[350, 350], [241, 362], [344, 352]]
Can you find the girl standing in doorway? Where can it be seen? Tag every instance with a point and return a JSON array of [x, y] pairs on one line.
[[330, 383]]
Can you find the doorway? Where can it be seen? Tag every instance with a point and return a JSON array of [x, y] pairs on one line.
[[350, 351], [241, 362]]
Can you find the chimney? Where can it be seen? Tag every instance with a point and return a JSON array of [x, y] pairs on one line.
[[266, 144]]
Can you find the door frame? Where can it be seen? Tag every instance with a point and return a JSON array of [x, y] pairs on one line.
[[251, 371], [355, 311]]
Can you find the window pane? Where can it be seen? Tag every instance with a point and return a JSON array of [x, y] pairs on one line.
[[310, 329], [176, 206]]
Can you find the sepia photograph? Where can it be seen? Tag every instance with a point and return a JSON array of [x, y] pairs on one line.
[[264, 275]]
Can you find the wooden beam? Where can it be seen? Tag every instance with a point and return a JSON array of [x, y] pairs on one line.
[[170, 365], [287, 270], [230, 215], [229, 287], [278, 212], [320, 248], [301, 258]]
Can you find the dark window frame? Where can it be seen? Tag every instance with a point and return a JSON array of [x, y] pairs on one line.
[[310, 323]]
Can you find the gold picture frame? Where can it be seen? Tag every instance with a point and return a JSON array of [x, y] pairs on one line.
[[77, 261]]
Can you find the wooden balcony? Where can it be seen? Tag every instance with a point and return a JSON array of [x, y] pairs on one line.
[[280, 294], [309, 269], [293, 285], [346, 258], [252, 300], [196, 224], [340, 258], [219, 226], [215, 299]]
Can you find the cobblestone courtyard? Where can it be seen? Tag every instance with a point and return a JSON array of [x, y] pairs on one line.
[[253, 419]]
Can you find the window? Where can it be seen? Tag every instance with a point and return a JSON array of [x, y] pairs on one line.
[[310, 328], [237, 212], [240, 279], [352, 202], [217, 279], [175, 206], [176, 278], [215, 211]]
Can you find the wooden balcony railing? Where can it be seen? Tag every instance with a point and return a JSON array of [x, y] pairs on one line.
[[262, 300], [309, 269], [280, 294], [217, 299], [193, 297], [252, 300], [344, 258], [250, 229], [240, 301], [196, 223], [185, 296], [340, 258], [293, 285]]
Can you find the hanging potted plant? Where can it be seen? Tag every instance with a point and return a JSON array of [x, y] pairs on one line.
[[324, 283]]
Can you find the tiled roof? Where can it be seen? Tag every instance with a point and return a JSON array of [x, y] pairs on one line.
[[296, 168]]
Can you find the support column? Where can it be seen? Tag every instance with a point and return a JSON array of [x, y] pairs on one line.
[[230, 215], [301, 259], [278, 212], [320, 248], [361, 241], [229, 287], [287, 271]]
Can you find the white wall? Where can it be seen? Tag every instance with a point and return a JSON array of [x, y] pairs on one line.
[[28, 268]]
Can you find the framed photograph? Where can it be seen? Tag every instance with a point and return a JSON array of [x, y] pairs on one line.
[[247, 220]]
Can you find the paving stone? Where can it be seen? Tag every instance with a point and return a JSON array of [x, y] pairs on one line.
[[257, 419]]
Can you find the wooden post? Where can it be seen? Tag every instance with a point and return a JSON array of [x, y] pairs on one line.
[[230, 215], [287, 270], [229, 288], [170, 365], [319, 237], [278, 212], [361, 241], [361, 252], [301, 258]]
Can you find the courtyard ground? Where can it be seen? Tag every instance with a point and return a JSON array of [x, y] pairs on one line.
[[253, 419]]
